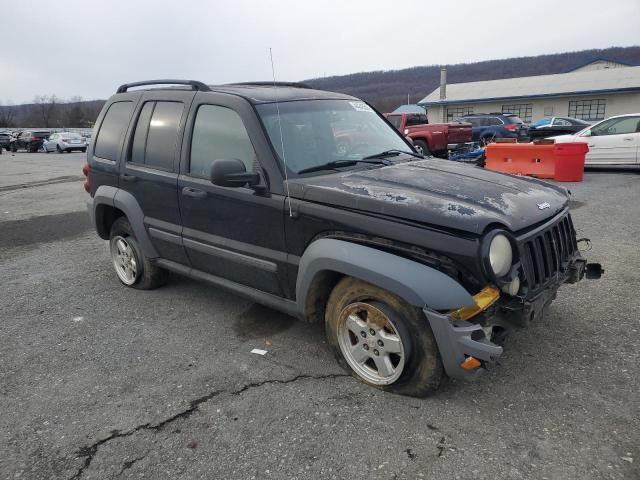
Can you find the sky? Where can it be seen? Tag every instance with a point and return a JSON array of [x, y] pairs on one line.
[[87, 48]]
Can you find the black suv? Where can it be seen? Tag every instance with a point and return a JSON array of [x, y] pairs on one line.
[[31, 141], [416, 266], [486, 127]]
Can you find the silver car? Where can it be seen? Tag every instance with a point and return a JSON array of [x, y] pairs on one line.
[[65, 142]]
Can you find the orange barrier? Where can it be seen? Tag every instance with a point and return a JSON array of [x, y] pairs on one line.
[[521, 159], [561, 161]]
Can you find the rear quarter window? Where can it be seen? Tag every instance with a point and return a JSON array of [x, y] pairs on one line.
[[112, 130]]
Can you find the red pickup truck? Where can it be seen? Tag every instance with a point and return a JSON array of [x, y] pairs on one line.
[[431, 138]]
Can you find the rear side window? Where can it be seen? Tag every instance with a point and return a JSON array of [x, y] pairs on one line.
[[513, 119], [112, 130], [416, 119], [156, 135], [493, 121], [219, 133], [395, 120]]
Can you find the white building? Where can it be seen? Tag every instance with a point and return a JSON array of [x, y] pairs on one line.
[[591, 92]]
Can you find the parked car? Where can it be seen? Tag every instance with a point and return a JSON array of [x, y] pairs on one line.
[[614, 141], [431, 138], [65, 142], [5, 140], [29, 140], [550, 126], [489, 126], [416, 266]]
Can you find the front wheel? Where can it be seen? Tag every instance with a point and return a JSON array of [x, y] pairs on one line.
[[132, 267], [421, 147], [381, 339]]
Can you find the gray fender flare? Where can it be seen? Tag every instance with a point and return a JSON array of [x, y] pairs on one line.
[[124, 201], [418, 284]]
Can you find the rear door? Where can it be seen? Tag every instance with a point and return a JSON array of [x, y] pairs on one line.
[[150, 172], [614, 141]]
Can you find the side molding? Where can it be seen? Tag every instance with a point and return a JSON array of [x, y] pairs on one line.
[[124, 201], [418, 284]]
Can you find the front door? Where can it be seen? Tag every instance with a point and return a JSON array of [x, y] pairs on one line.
[[614, 141], [232, 233], [150, 172]]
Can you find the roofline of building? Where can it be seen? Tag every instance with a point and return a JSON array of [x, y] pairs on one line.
[[535, 96], [599, 59]]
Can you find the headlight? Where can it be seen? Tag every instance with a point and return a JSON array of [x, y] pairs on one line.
[[500, 255]]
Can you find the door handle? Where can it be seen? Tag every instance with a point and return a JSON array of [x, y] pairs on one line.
[[128, 178], [193, 193], [627, 139]]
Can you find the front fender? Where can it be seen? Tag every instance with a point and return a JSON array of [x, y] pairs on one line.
[[420, 285]]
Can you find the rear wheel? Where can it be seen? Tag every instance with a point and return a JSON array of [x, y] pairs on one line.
[[422, 147], [58, 149], [381, 339], [487, 139], [132, 267], [13, 148]]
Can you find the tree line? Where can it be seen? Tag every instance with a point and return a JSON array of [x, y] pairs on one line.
[[50, 111]]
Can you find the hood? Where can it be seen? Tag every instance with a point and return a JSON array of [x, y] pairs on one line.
[[439, 193]]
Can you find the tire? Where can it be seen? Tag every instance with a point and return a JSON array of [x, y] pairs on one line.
[[132, 267], [422, 147], [58, 149], [487, 139], [14, 149], [84, 150], [354, 304]]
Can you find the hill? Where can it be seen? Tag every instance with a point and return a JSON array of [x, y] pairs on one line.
[[388, 89]]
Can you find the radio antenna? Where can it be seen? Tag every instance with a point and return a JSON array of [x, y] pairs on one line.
[[284, 155]]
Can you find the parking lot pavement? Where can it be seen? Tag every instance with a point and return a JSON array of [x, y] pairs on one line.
[[101, 381]]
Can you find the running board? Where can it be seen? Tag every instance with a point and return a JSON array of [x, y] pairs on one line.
[[272, 301]]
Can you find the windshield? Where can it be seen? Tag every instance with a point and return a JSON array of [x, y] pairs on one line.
[[315, 132], [542, 122]]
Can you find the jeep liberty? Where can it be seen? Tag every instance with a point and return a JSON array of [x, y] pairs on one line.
[[417, 266]]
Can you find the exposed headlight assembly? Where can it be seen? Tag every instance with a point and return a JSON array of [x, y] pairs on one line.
[[497, 253]]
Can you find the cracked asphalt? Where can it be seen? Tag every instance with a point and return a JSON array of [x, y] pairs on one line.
[[98, 381]]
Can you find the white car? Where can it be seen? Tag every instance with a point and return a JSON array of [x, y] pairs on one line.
[[614, 141], [65, 142]]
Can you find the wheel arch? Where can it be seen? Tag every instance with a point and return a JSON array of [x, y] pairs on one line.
[[327, 260], [110, 203]]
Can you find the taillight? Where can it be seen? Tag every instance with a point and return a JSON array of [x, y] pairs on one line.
[[85, 172], [512, 127], [34, 139]]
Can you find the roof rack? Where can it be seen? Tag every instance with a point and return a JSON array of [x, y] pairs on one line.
[[195, 85], [271, 84]]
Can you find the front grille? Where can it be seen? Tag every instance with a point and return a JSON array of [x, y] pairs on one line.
[[547, 254]]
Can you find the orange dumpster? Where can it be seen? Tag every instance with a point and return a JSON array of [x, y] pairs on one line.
[[521, 159]]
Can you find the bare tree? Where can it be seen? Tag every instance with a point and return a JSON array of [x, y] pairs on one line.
[[7, 115], [46, 108]]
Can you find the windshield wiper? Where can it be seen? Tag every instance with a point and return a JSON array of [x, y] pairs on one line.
[[342, 163], [392, 153]]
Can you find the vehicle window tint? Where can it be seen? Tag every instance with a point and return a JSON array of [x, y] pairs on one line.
[[395, 120], [416, 119], [140, 136], [218, 133], [617, 126], [163, 135], [493, 121], [112, 130], [561, 122]]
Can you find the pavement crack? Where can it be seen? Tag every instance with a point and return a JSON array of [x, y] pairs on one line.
[[129, 463], [40, 183], [89, 452]]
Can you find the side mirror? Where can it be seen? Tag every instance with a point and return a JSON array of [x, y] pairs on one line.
[[231, 172]]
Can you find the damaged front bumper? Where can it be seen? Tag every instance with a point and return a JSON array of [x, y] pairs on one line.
[[462, 340]]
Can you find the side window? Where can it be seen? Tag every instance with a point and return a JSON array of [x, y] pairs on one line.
[[617, 126], [112, 130], [156, 135], [561, 122], [218, 133], [494, 122], [416, 119], [395, 120]]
